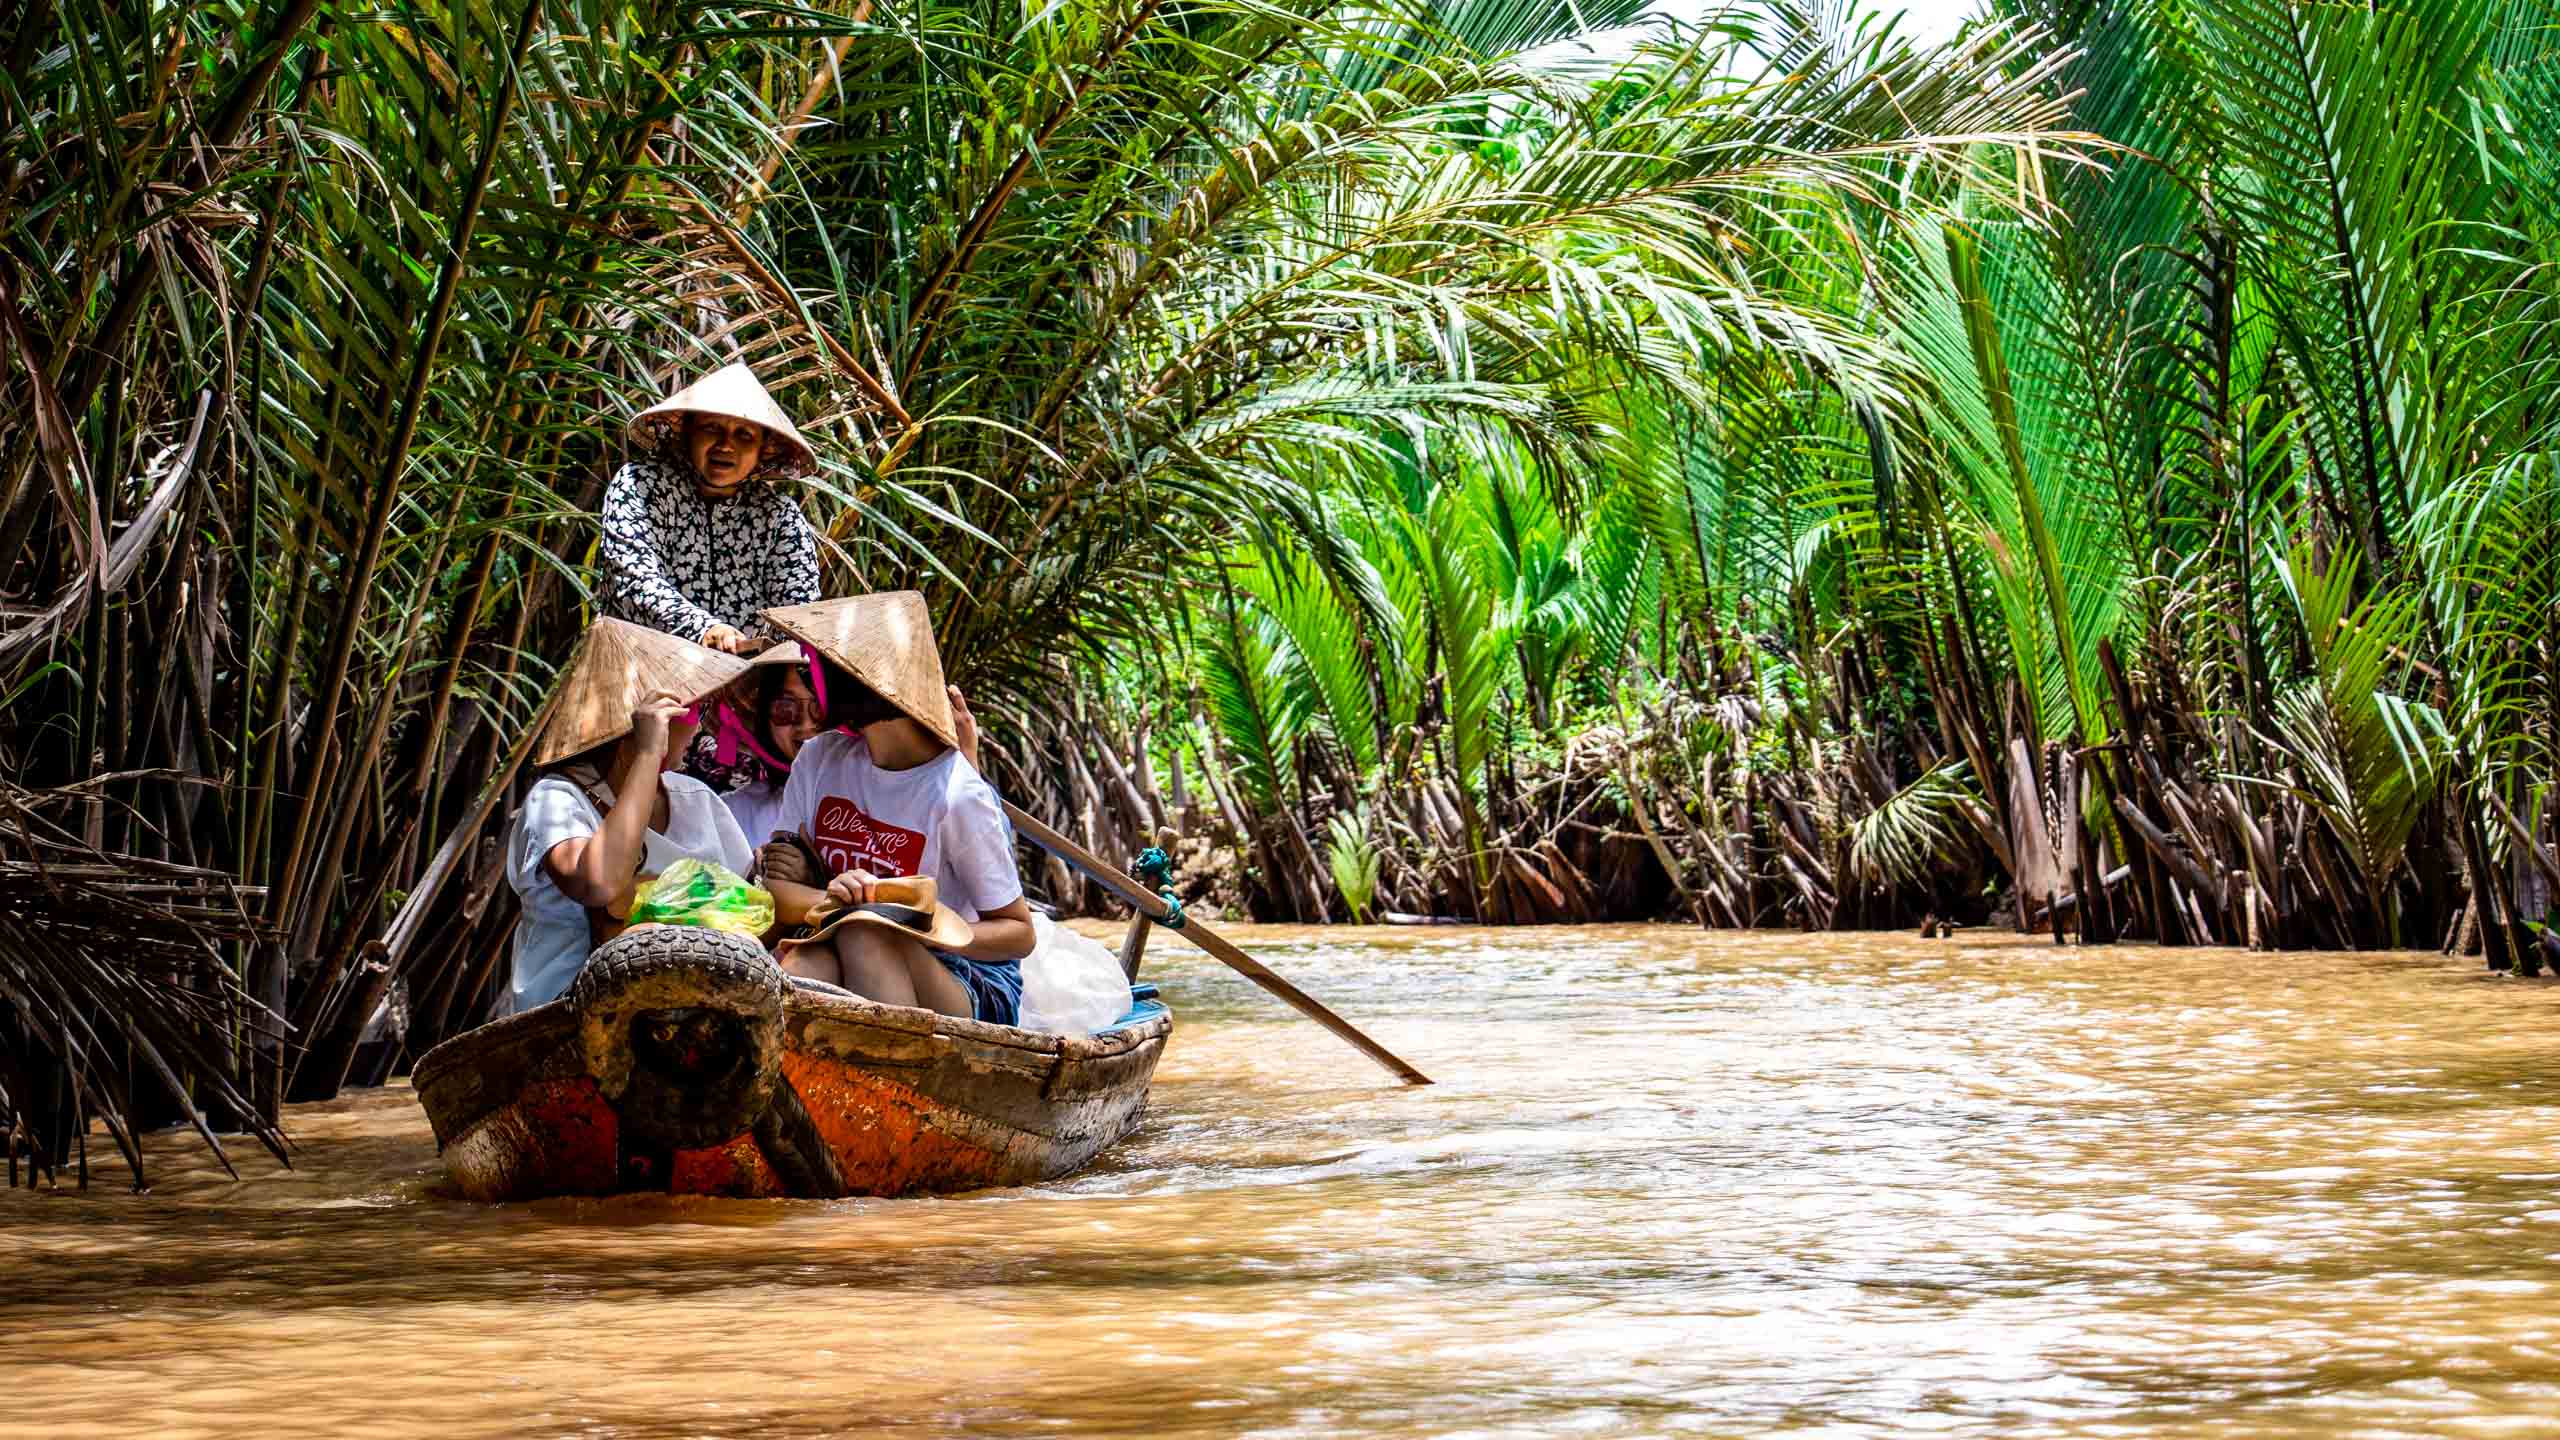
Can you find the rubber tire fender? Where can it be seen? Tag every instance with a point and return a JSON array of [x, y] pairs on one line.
[[652, 968]]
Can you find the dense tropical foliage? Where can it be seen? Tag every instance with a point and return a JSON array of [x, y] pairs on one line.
[[1765, 471], [2184, 569]]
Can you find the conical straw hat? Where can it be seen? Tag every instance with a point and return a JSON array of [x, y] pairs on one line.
[[733, 391], [886, 641], [617, 665]]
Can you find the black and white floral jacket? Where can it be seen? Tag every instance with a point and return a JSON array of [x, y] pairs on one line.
[[676, 562]]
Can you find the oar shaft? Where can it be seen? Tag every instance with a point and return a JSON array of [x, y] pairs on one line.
[[1199, 933]]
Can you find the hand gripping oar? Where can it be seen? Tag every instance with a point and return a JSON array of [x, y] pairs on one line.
[[1114, 879]]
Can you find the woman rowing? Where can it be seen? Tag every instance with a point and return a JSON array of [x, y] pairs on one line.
[[698, 540]]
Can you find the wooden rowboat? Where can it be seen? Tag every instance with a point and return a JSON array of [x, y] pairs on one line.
[[682, 1060]]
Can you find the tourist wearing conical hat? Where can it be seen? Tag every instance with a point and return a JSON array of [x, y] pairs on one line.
[[767, 718], [697, 537], [896, 799], [779, 717], [607, 810]]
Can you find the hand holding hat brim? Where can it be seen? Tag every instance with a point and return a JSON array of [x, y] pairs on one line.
[[617, 666], [905, 906]]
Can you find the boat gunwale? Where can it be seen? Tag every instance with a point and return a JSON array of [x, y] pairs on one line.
[[1145, 1020], [1148, 1020]]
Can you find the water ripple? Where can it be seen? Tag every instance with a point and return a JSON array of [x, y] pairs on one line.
[[1669, 1183]]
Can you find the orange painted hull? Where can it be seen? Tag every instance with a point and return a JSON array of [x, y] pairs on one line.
[[899, 1101]]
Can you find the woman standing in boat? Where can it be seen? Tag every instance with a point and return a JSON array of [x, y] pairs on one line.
[[897, 799], [697, 537], [608, 811]]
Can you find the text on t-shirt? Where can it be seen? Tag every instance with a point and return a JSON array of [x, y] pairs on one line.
[[849, 839]]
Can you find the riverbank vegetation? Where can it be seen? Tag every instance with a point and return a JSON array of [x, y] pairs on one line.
[[2184, 568], [1763, 473]]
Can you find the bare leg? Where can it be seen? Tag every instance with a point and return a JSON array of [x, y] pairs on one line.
[[936, 987], [895, 970], [873, 969], [812, 962]]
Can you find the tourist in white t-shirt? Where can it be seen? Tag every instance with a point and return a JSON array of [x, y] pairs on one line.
[[609, 810], [896, 798]]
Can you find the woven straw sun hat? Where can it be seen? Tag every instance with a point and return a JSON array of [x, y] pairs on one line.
[[906, 906], [886, 642], [734, 392], [785, 654], [616, 666]]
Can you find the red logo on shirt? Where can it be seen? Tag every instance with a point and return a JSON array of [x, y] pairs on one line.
[[848, 839]]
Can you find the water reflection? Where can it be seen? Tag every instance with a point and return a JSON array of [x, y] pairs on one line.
[[1668, 1183]]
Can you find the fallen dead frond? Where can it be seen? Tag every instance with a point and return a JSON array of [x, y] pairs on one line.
[[117, 998]]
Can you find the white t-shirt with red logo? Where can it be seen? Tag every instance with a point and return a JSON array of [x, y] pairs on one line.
[[940, 819]]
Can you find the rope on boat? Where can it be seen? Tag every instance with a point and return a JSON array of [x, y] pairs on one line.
[[1152, 866], [1156, 868]]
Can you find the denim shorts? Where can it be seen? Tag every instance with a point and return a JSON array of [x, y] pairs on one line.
[[994, 986]]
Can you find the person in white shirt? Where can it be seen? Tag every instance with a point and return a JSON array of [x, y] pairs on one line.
[[897, 798], [609, 811]]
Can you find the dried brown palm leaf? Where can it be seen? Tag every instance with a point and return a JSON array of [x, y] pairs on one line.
[[113, 973]]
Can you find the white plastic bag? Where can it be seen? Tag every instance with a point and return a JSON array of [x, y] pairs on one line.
[[1070, 984]]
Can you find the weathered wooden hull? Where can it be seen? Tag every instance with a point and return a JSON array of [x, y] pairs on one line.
[[869, 1099]]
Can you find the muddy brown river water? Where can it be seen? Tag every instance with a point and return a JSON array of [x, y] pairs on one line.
[[1669, 1183]]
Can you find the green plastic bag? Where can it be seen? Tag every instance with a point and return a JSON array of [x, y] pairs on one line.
[[691, 892]]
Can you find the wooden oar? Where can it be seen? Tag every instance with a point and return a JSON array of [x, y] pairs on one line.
[[1118, 882]]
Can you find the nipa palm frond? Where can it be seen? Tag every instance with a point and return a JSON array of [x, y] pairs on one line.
[[113, 973], [2369, 757], [1915, 828]]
